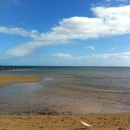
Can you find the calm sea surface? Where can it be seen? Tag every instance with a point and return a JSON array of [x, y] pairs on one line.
[[105, 78]]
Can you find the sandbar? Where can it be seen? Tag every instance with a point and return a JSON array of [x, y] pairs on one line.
[[11, 79]]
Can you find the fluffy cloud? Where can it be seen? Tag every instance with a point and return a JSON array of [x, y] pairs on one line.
[[107, 22], [19, 31]]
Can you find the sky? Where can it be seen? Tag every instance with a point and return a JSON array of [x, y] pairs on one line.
[[65, 32]]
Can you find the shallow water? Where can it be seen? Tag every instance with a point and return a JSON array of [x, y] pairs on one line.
[[22, 88], [21, 96], [105, 78], [49, 98]]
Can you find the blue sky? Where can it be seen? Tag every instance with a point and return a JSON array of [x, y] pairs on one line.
[[65, 32]]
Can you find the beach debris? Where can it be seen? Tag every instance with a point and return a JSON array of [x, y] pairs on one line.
[[85, 124]]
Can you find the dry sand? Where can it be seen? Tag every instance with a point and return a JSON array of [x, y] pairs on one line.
[[66, 107], [66, 122]]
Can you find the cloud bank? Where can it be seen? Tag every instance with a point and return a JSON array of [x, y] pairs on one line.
[[107, 22], [124, 55]]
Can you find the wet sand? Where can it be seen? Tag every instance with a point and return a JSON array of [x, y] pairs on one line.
[[11, 79], [68, 105]]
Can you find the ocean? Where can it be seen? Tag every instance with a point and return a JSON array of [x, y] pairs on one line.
[[99, 78]]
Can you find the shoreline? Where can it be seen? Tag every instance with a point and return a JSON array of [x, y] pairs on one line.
[[58, 97]]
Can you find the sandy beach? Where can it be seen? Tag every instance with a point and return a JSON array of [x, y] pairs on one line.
[[66, 122], [56, 106]]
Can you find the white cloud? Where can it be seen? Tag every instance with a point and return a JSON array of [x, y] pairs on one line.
[[107, 22], [105, 56], [18, 31], [63, 55], [90, 47], [26, 48], [124, 55]]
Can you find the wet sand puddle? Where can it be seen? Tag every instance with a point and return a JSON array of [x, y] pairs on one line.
[[23, 99]]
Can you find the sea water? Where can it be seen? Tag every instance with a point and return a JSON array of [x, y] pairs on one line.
[[100, 78]]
